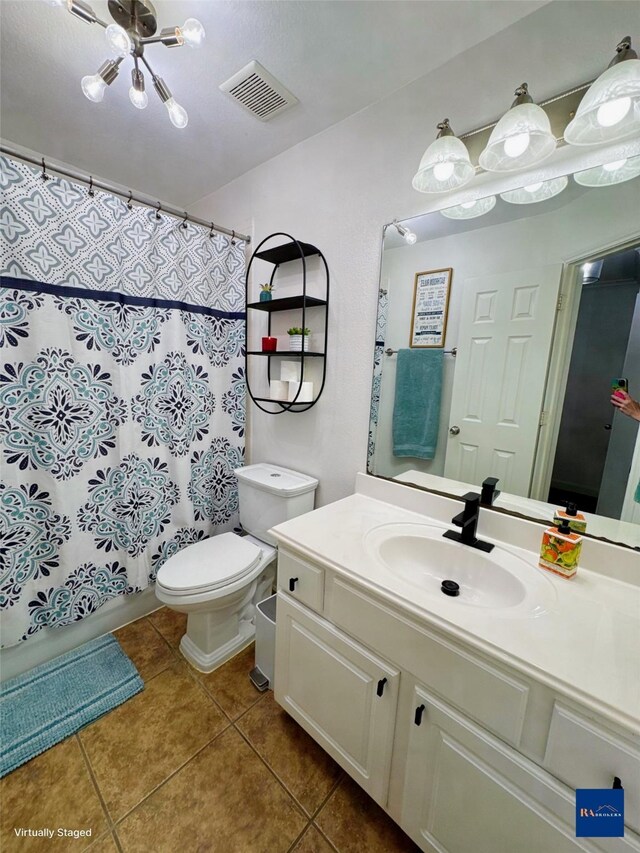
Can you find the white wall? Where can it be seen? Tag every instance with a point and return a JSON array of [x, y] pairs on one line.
[[338, 188], [595, 219]]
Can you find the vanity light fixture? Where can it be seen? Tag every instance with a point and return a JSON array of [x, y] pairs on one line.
[[521, 138], [470, 209], [403, 231], [134, 28], [610, 109], [445, 165], [540, 191], [616, 172]]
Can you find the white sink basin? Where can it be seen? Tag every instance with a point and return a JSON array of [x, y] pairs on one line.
[[419, 555]]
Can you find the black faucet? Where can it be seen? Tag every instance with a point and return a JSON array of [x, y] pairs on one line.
[[468, 521], [489, 492]]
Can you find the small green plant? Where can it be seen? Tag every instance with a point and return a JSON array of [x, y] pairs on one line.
[[296, 330], [267, 288]]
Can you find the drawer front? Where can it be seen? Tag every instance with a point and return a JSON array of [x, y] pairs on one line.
[[301, 580], [487, 694], [584, 755]]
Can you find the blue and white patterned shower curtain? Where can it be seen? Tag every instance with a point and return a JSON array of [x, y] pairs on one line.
[[121, 395]]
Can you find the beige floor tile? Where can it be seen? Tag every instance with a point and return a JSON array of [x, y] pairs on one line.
[[302, 766], [135, 747], [105, 844], [171, 624], [353, 822], [313, 842], [52, 790], [225, 799], [230, 686], [146, 648]]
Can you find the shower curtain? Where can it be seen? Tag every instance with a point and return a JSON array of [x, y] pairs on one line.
[[121, 395]]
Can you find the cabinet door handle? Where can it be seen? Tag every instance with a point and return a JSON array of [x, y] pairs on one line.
[[418, 717], [292, 584], [616, 782], [381, 685]]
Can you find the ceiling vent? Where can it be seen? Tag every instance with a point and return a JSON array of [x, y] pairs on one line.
[[259, 92]]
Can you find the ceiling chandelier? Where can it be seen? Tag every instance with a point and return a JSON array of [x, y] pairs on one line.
[[135, 27]]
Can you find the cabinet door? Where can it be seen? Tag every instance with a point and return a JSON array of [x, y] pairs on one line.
[[344, 696], [466, 791]]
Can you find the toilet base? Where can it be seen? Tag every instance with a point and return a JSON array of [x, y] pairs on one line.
[[208, 662]]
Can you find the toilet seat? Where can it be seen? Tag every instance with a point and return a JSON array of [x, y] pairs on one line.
[[209, 565]]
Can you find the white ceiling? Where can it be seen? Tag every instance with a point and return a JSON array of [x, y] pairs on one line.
[[336, 56]]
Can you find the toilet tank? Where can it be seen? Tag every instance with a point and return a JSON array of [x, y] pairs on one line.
[[269, 495]]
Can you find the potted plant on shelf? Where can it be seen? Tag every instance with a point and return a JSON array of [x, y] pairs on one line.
[[265, 292], [298, 339]]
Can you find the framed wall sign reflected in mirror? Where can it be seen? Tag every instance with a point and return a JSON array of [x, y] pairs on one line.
[[544, 312]]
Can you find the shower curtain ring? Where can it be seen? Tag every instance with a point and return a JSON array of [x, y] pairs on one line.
[[233, 237], [129, 204], [211, 231], [185, 220], [158, 211], [44, 175], [91, 190]]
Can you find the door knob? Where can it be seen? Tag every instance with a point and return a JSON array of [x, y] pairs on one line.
[[454, 430]]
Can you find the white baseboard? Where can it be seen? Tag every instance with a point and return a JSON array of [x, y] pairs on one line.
[[51, 642]]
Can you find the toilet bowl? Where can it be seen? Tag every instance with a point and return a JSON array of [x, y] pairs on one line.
[[218, 581]]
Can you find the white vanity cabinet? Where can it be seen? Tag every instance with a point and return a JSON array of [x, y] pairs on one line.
[[467, 754]]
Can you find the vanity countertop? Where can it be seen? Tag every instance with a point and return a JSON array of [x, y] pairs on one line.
[[586, 644]]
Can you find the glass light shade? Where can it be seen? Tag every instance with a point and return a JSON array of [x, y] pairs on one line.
[[138, 99], [610, 109], [445, 166], [521, 138], [93, 87], [118, 40], [470, 209], [177, 114], [611, 173], [192, 32], [536, 192]]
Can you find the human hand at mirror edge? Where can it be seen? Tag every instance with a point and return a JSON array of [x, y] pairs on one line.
[[626, 404]]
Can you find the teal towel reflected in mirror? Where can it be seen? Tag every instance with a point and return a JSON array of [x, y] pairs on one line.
[[416, 408]]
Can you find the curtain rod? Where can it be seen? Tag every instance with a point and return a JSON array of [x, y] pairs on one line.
[[129, 196]]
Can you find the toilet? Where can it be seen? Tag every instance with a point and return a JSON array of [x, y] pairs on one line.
[[218, 581]]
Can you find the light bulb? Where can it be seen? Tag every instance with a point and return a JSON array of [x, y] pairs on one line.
[[613, 167], [533, 188], [93, 87], [118, 40], [613, 112], [138, 99], [410, 238], [177, 114], [516, 145], [443, 171], [192, 32]]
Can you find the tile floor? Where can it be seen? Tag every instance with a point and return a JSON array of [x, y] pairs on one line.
[[194, 763]]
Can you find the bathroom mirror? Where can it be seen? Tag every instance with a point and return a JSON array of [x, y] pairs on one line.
[[543, 313]]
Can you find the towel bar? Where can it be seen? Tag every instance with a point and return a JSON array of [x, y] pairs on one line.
[[453, 352]]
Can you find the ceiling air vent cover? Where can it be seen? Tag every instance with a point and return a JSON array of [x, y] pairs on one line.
[[259, 92]]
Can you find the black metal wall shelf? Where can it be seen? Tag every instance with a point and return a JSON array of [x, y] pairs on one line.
[[296, 251]]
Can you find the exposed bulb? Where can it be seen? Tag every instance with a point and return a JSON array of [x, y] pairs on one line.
[[192, 32], [410, 238], [443, 171], [118, 40], [516, 145], [138, 99], [93, 87], [613, 167], [533, 188], [613, 112], [177, 114]]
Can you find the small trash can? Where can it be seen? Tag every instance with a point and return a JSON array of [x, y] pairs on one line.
[[262, 675]]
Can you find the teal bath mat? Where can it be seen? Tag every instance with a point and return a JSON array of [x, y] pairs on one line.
[[47, 704]]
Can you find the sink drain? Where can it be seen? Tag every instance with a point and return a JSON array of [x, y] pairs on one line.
[[450, 588]]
